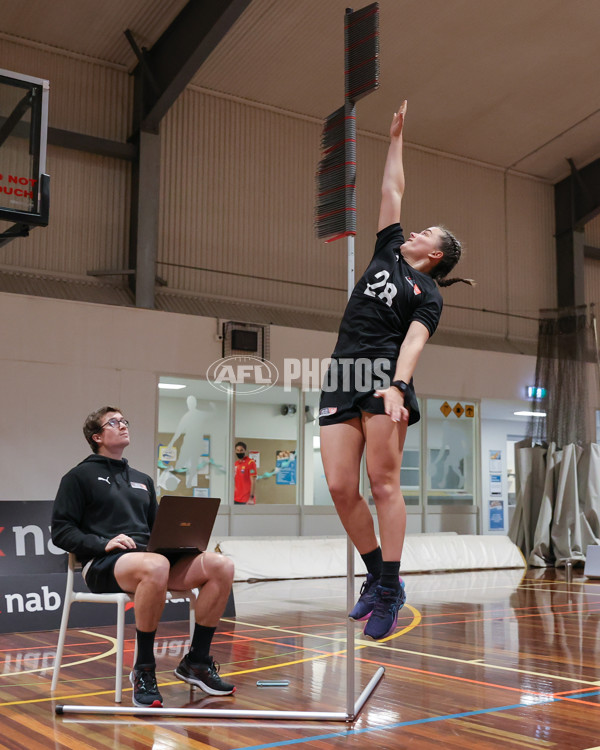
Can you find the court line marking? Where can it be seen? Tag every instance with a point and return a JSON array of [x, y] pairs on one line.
[[382, 644], [87, 660], [361, 644], [226, 674], [397, 725]]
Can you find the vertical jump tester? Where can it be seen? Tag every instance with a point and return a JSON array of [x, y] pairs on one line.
[[335, 218]]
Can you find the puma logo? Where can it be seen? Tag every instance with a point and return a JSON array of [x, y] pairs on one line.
[[102, 479]]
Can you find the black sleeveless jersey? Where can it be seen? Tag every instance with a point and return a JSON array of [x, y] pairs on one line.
[[386, 300]]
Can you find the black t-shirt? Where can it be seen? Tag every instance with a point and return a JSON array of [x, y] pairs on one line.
[[386, 300]]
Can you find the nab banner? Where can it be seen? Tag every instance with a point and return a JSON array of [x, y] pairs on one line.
[[33, 576], [25, 544]]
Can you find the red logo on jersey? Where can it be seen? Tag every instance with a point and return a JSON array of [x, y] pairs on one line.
[[416, 289]]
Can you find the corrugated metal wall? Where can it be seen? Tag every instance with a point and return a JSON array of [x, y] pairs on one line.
[[85, 96], [89, 218], [89, 195], [237, 194]]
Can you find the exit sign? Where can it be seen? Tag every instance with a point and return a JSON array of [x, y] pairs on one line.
[[535, 393]]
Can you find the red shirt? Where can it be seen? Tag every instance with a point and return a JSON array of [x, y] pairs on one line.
[[245, 469]]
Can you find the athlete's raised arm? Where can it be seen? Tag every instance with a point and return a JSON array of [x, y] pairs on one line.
[[392, 186]]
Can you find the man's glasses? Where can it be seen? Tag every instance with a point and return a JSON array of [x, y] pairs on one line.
[[114, 423]]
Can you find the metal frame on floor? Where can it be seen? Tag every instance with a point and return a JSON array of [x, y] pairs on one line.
[[353, 707]]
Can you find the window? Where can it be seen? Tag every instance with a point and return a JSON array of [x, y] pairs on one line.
[[268, 423], [192, 441], [451, 451]]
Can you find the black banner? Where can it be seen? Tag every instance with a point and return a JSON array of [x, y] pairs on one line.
[[33, 576], [25, 544]]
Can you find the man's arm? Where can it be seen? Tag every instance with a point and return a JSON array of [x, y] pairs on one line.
[[392, 185], [67, 515]]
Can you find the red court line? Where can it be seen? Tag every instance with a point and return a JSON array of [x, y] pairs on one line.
[[580, 690], [509, 617], [578, 700], [454, 677]]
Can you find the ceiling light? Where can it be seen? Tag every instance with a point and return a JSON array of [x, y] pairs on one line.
[[171, 386], [529, 413]]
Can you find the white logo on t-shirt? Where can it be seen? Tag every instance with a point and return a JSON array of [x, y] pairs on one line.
[[388, 292]]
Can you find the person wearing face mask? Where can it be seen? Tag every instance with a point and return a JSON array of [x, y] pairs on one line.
[[245, 476]]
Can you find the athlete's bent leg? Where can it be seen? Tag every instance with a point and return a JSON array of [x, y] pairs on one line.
[[385, 444]]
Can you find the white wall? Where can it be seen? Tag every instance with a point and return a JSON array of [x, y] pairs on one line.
[[59, 360]]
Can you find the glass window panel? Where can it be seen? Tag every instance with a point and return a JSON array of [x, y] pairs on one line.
[[192, 420], [451, 451], [316, 490], [268, 423]]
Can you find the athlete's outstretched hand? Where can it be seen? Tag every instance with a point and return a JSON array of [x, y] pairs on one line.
[[398, 121], [393, 401]]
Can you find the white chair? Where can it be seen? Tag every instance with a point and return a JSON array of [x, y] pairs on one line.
[[120, 600]]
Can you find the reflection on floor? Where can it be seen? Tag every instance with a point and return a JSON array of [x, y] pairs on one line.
[[494, 659]]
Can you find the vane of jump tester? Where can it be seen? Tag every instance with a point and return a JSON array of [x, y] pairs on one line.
[[335, 218]]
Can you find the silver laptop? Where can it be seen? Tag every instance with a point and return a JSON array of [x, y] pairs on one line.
[[183, 523]]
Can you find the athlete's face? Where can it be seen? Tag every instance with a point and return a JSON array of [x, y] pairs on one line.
[[423, 246], [113, 438]]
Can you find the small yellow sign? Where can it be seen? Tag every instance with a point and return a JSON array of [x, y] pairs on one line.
[[445, 408], [469, 411], [458, 410]]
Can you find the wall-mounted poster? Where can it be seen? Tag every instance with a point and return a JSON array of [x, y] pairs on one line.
[[285, 467]]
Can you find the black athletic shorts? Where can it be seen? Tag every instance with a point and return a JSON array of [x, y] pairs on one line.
[[99, 573], [349, 387]]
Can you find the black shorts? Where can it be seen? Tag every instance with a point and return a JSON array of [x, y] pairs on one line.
[[99, 574], [349, 387]]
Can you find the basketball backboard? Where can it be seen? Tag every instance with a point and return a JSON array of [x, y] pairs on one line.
[[24, 184]]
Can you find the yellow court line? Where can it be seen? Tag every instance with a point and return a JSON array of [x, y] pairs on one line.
[[336, 639], [279, 665], [417, 616], [110, 652], [359, 642]]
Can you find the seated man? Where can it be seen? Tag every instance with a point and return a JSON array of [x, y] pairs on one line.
[[103, 512]]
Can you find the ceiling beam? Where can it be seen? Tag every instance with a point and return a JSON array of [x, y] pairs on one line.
[[589, 251], [577, 197], [178, 54], [576, 202], [91, 144]]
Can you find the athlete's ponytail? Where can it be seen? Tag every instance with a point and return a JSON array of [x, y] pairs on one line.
[[452, 250]]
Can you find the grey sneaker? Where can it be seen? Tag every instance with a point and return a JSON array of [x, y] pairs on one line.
[[145, 690]]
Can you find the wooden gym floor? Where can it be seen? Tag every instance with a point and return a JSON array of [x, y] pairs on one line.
[[485, 660]]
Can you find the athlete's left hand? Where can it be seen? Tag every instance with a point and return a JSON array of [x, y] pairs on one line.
[[393, 401]]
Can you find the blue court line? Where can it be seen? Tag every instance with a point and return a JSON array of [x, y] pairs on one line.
[[351, 732], [577, 695]]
